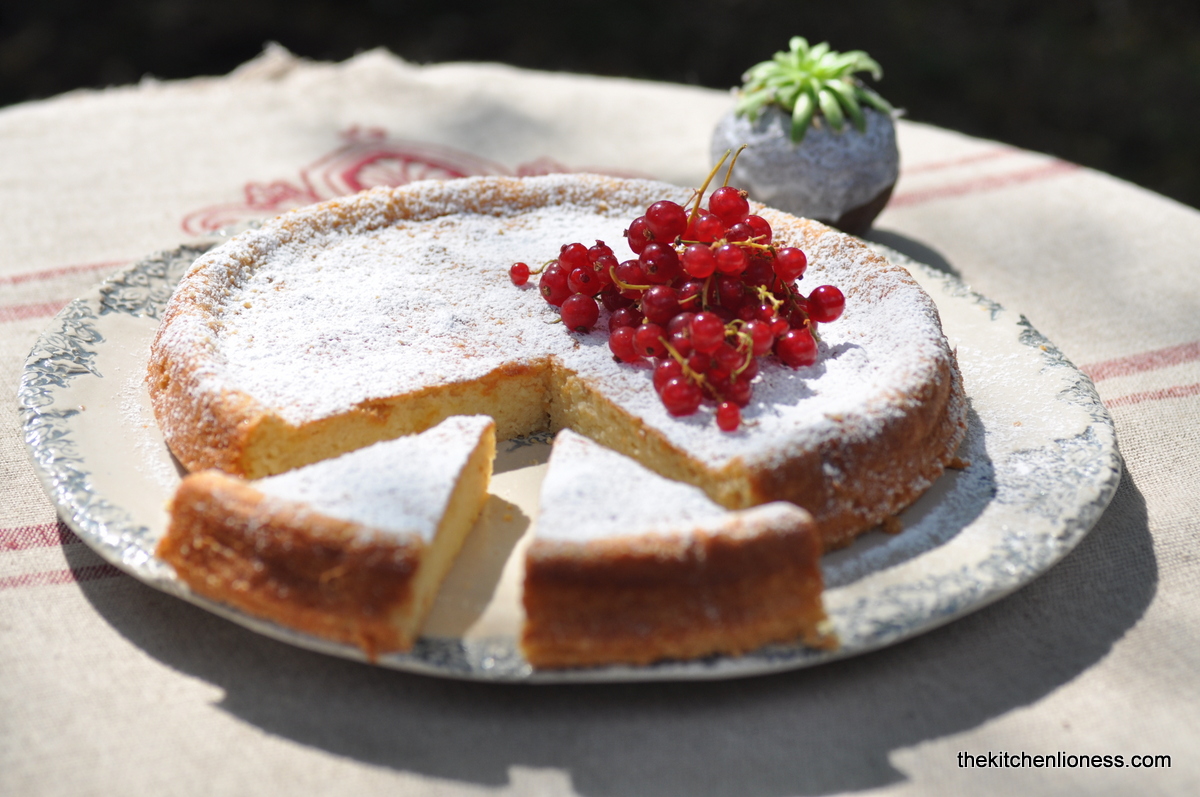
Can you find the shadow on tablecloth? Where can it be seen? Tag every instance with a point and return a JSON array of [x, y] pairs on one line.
[[827, 729], [922, 253]]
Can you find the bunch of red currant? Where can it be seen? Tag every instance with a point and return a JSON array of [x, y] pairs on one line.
[[707, 294]]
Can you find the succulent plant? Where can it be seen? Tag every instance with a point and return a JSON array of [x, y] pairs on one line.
[[806, 80]]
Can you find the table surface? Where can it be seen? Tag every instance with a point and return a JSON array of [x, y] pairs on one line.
[[107, 686]]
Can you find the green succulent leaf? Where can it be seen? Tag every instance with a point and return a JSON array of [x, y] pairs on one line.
[[806, 80], [750, 104], [874, 100], [802, 114], [832, 109], [846, 96]]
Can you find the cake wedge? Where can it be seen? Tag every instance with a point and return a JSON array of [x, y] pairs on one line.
[[628, 567], [351, 549]]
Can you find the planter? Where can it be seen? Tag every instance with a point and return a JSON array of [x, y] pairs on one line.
[[843, 179]]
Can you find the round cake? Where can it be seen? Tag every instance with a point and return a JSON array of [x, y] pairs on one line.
[[381, 314]]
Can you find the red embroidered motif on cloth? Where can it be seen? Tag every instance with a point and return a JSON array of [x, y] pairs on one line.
[[367, 159]]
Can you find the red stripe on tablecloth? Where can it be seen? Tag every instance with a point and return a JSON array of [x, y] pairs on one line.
[[61, 271], [980, 184], [54, 577], [21, 312], [1178, 391], [43, 535], [1146, 361], [963, 161]]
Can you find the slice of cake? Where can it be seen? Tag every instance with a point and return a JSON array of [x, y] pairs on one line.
[[629, 567], [352, 549]]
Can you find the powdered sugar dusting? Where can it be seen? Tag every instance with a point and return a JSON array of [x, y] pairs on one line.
[[400, 486], [397, 290], [591, 492]]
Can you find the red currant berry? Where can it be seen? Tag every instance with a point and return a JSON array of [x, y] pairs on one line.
[[667, 220], [698, 261], [664, 372], [660, 262], [682, 344], [762, 230], [729, 417], [573, 256], [612, 299], [638, 235], [603, 267], [630, 273], [584, 280], [796, 348], [681, 396], [779, 326], [600, 250], [519, 273], [580, 312], [790, 264], [731, 292], [689, 294], [699, 362], [680, 323], [620, 342], [739, 232], [759, 272], [761, 337], [708, 332], [826, 304], [731, 259], [728, 358], [647, 340], [709, 228], [553, 284], [729, 204], [750, 369], [624, 317], [740, 390], [798, 319], [660, 304]]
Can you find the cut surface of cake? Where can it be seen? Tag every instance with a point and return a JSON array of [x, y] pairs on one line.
[[629, 567], [378, 315], [352, 548]]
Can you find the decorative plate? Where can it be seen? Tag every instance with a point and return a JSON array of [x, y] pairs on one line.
[[1042, 454]]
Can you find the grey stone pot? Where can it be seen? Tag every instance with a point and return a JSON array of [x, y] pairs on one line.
[[843, 179]]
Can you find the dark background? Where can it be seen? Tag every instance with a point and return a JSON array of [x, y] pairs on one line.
[[1112, 84]]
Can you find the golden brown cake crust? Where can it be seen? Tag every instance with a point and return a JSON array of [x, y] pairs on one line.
[[643, 598], [276, 559]]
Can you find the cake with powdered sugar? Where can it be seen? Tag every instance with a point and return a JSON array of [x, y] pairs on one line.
[[381, 314], [629, 567], [352, 548]]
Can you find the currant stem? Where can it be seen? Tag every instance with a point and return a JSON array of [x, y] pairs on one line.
[[729, 171], [679, 358], [625, 286], [765, 295], [703, 188], [744, 339]]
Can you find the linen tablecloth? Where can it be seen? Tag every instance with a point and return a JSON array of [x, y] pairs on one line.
[[109, 687]]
